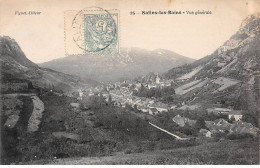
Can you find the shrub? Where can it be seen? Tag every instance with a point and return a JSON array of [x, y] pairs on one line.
[[235, 136], [128, 151]]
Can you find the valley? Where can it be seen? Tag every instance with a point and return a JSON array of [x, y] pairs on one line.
[[137, 107]]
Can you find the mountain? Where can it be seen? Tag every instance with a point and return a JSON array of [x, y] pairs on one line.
[[230, 74], [17, 68], [238, 57], [130, 63]]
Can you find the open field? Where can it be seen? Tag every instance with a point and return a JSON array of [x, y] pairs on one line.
[[225, 83], [190, 86], [191, 74]]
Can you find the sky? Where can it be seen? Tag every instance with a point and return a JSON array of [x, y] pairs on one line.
[[41, 37]]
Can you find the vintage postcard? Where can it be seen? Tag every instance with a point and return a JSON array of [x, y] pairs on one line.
[[128, 82]]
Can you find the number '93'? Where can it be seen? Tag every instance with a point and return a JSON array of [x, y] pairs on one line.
[[132, 13]]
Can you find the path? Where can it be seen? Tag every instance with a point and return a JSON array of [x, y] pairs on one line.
[[19, 94], [35, 119], [176, 136]]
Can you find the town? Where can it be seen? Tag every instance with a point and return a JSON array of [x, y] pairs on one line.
[[122, 94]]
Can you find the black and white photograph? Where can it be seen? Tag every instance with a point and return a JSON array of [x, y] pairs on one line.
[[128, 82]]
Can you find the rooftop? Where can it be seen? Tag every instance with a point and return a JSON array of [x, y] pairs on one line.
[[235, 112]]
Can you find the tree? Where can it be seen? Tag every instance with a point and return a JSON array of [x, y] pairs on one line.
[[157, 93], [135, 108], [200, 124], [85, 103], [188, 130], [52, 87], [101, 96], [232, 119], [75, 94], [151, 92], [128, 107], [172, 84], [49, 86], [142, 88], [248, 117], [30, 85], [109, 100], [222, 101], [168, 98]]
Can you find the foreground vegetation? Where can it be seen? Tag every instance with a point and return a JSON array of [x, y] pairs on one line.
[[101, 129], [217, 153], [10, 136]]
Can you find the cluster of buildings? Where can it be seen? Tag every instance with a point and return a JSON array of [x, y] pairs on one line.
[[148, 83], [122, 94], [219, 126], [235, 114]]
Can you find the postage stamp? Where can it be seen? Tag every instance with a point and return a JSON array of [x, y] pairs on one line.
[[92, 30]]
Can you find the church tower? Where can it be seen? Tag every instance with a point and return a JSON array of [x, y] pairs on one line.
[[157, 80]]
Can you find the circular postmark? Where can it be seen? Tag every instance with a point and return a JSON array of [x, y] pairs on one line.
[[94, 29]]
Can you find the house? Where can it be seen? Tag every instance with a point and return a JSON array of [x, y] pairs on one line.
[[220, 121], [238, 127], [219, 125], [157, 80], [237, 114], [181, 121], [218, 111], [160, 109], [205, 133], [137, 86], [80, 94], [223, 110], [172, 107], [210, 124], [74, 105], [159, 106], [191, 122], [153, 111], [145, 110], [138, 100], [149, 86], [243, 127], [130, 100]]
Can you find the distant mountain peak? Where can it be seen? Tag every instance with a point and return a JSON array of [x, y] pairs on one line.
[[251, 22], [11, 51], [130, 63]]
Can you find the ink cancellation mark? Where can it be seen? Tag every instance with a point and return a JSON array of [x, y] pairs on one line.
[[95, 30]]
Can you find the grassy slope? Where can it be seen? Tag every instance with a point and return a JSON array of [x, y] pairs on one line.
[[56, 109], [225, 152], [118, 133]]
